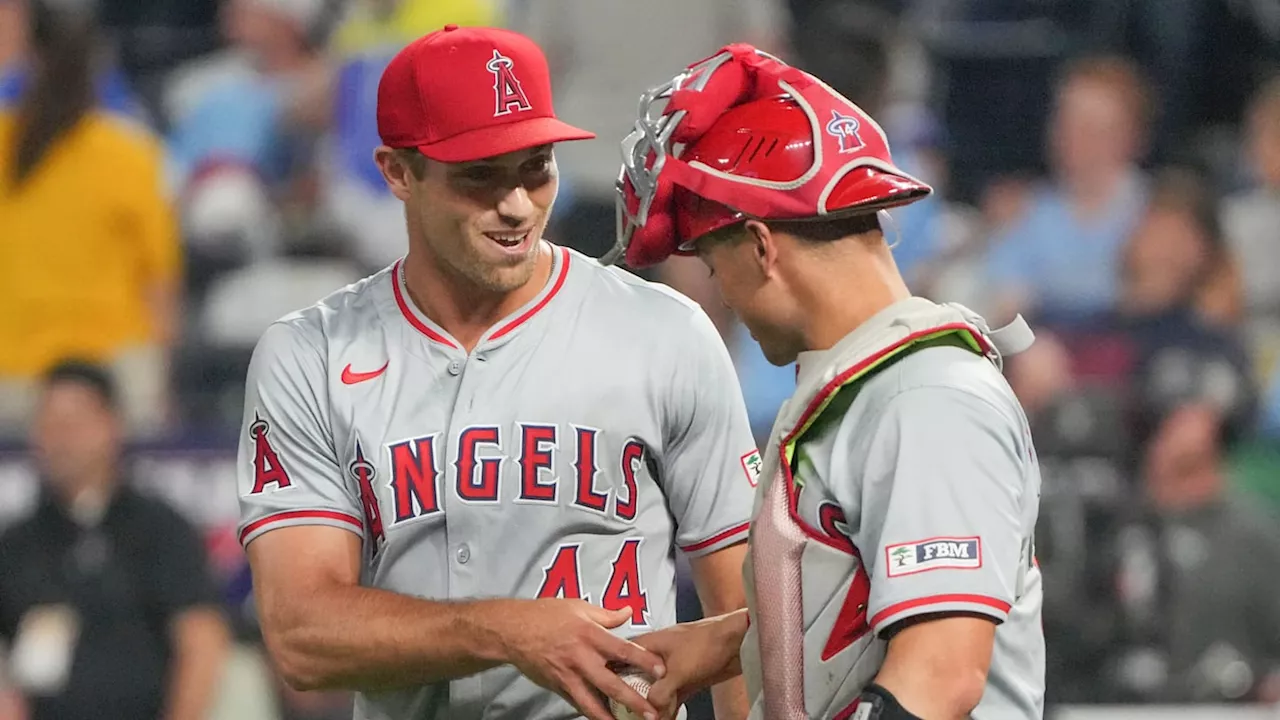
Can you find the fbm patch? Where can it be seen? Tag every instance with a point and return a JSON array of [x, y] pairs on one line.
[[956, 553], [753, 465]]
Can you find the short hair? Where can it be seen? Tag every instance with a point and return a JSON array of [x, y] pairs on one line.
[[1121, 76], [415, 160], [813, 230], [824, 230], [89, 374]]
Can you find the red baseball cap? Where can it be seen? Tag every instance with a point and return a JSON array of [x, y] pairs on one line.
[[467, 93]]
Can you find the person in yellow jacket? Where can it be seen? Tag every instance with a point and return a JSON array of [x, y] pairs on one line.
[[374, 23], [90, 253]]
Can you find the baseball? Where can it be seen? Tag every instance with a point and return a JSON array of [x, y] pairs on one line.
[[639, 682]]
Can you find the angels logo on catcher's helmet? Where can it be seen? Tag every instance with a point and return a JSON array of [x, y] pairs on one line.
[[845, 129], [743, 135]]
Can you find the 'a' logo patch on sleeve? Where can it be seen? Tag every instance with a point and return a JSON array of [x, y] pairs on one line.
[[955, 553], [753, 464]]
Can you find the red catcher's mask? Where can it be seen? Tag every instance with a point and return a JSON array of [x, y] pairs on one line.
[[744, 135]]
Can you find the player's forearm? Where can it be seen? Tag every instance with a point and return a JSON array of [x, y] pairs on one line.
[[938, 669], [728, 689], [361, 638], [718, 579], [734, 628], [730, 699], [929, 692]]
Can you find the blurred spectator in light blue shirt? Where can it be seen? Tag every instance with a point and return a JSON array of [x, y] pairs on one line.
[[239, 105], [1059, 261], [244, 125]]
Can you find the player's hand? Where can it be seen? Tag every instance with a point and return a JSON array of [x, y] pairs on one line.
[[564, 646], [697, 655]]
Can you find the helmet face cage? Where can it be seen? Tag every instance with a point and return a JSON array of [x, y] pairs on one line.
[[646, 148]]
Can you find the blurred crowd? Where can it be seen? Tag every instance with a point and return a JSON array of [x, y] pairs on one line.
[[176, 174]]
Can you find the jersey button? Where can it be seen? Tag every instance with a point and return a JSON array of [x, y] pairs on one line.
[[464, 554], [455, 367]]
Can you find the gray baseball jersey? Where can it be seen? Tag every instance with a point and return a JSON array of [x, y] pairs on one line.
[[901, 480], [581, 441]]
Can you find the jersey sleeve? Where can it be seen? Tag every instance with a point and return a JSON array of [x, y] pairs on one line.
[[287, 470], [711, 464], [941, 507]]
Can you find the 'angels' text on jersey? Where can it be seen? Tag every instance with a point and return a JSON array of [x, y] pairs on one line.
[[564, 456]]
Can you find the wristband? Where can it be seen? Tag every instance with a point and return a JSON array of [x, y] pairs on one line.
[[876, 703]]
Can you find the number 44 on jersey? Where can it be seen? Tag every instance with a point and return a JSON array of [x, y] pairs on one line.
[[563, 578]]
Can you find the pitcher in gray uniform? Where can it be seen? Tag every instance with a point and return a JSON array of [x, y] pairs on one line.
[[891, 571], [459, 475]]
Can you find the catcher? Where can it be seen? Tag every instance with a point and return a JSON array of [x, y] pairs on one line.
[[891, 573]]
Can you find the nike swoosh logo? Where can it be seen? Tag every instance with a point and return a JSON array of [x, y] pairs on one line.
[[351, 378]]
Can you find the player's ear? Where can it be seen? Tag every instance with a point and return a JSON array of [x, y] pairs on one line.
[[764, 245], [395, 171]]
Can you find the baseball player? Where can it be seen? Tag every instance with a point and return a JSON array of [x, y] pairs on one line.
[[891, 573], [459, 474]]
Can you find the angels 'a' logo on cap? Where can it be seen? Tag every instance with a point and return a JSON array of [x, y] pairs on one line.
[[845, 129], [508, 94]]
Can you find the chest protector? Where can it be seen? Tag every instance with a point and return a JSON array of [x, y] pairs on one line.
[[781, 679]]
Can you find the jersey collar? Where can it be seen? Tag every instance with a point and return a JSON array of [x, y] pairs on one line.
[[816, 362], [502, 329]]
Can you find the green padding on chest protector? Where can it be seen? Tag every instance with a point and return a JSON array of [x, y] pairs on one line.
[[839, 398]]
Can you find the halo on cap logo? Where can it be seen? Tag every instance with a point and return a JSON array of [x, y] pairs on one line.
[[508, 93], [844, 128]]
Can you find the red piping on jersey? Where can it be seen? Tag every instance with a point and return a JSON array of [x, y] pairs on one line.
[[408, 314], [718, 537], [555, 288], [299, 514], [896, 608], [517, 322], [817, 402]]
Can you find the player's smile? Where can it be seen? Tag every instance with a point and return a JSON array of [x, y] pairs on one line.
[[515, 243]]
